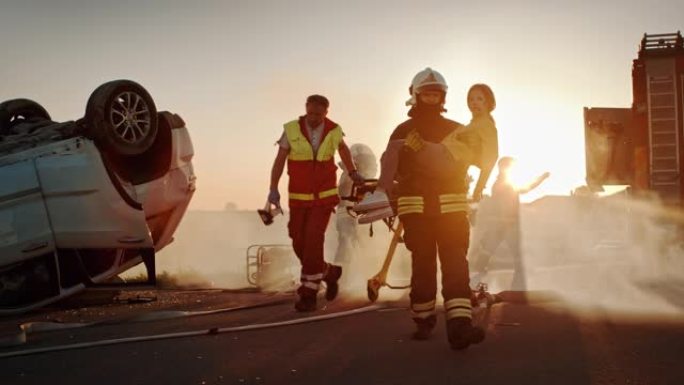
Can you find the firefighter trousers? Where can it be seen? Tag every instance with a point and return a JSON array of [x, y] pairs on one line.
[[446, 235], [307, 227]]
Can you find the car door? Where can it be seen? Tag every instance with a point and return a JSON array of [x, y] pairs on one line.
[[28, 264], [24, 225], [87, 206]]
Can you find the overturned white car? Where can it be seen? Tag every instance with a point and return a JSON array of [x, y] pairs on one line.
[[81, 201]]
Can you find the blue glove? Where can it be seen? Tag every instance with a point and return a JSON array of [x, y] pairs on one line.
[[274, 197], [356, 177]]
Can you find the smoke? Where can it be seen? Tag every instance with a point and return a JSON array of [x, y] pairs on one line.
[[233, 249], [211, 249], [212, 245], [613, 252], [610, 253], [362, 256]]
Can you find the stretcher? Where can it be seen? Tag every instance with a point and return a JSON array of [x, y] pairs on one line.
[[379, 280]]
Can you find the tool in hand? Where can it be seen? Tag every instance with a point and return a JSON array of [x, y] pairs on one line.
[[269, 211]]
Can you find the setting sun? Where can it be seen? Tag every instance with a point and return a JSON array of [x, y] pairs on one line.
[[236, 76]]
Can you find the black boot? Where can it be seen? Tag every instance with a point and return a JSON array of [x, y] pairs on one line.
[[331, 281], [306, 301], [462, 333], [424, 327]]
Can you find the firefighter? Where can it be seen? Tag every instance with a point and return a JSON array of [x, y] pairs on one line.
[[433, 209], [308, 145]]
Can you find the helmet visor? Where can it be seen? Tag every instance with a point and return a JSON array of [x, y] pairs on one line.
[[431, 87]]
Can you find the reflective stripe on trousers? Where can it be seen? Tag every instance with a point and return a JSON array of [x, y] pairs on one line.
[[458, 307], [423, 310]]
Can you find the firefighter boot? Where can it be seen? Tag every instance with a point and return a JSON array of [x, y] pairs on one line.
[[424, 327], [306, 301], [331, 281], [462, 333]]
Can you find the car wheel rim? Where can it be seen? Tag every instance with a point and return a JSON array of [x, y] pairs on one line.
[[130, 117]]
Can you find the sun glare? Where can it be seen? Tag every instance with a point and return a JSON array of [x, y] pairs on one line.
[[542, 135]]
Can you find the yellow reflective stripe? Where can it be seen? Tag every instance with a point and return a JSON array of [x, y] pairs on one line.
[[312, 277], [410, 205], [454, 204], [402, 210], [299, 156], [453, 208], [422, 314], [451, 203], [458, 307], [310, 197], [463, 302], [423, 306], [410, 200], [311, 285], [458, 312], [300, 148], [328, 193], [403, 203], [329, 145], [301, 197], [452, 198]]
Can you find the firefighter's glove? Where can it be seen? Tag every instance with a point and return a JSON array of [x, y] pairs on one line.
[[414, 141], [356, 178], [274, 197]]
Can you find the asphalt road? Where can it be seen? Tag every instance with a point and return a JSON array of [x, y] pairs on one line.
[[533, 343]]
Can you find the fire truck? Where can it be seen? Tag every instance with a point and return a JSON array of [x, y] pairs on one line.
[[641, 147]]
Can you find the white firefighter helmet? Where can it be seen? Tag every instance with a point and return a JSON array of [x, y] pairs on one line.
[[426, 80]]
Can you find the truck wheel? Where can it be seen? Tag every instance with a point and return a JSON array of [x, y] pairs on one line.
[[121, 117], [15, 111]]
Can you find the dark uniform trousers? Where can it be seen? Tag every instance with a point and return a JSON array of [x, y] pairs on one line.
[[307, 227], [428, 236]]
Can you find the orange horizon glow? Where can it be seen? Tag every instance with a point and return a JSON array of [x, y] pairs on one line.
[[236, 71]]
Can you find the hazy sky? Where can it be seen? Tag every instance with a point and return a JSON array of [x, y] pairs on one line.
[[237, 70]]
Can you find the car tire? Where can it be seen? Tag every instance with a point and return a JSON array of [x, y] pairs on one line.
[[15, 110], [121, 118], [152, 164]]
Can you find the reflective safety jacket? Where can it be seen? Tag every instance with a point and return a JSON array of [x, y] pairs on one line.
[[313, 176], [421, 192]]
